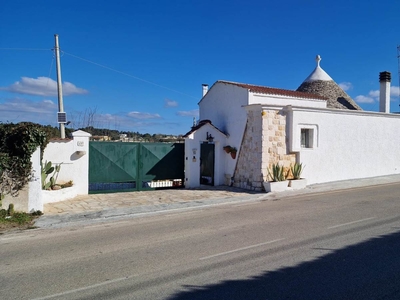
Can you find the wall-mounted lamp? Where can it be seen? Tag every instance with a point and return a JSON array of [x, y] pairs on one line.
[[210, 138]]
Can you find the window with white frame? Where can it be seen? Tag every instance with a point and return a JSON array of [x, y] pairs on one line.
[[307, 136]]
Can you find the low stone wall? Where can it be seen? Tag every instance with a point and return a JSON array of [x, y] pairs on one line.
[[59, 195]]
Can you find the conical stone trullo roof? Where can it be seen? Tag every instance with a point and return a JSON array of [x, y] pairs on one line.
[[320, 83]]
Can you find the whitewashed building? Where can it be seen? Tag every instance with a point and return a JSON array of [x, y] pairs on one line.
[[318, 125]]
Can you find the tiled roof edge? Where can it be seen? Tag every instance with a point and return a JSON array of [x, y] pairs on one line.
[[273, 91]]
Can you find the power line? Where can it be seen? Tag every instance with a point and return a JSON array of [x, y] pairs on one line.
[[103, 66], [129, 75]]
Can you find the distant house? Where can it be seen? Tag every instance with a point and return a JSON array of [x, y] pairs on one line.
[[325, 130], [100, 138]]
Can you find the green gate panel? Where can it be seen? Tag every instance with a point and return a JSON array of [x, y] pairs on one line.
[[138, 163], [112, 162], [161, 161]]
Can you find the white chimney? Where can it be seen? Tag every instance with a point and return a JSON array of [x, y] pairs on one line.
[[384, 94], [205, 89]]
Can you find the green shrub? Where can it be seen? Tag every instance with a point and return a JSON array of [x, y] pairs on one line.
[[19, 141]]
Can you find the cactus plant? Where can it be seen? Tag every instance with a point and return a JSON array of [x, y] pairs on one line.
[[10, 210], [48, 169]]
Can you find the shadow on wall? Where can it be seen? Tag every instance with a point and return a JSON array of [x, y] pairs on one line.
[[369, 270], [170, 166], [77, 155]]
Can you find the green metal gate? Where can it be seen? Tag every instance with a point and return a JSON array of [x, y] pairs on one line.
[[117, 166]]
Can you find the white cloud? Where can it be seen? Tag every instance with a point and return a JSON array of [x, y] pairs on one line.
[[170, 103], [19, 109], [364, 99], [42, 86], [23, 105], [143, 116], [189, 113], [373, 96], [394, 91], [345, 86]]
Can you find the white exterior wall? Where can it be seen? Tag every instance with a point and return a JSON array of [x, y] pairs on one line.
[[192, 156], [73, 155], [223, 106], [35, 185], [346, 144], [284, 101], [29, 199]]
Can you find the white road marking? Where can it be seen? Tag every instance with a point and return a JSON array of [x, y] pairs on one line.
[[345, 224], [241, 249], [85, 288]]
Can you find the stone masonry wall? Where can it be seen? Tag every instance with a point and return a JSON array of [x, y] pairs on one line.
[[248, 173], [337, 98], [274, 142], [264, 144]]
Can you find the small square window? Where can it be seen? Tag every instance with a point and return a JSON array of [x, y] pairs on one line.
[[307, 138]]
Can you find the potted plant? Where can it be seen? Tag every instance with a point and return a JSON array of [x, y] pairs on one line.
[[297, 182], [233, 152], [278, 176], [227, 149]]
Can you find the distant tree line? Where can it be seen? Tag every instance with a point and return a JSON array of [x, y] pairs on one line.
[[114, 135], [135, 136]]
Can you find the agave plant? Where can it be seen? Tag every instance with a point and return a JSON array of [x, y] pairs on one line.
[[296, 170], [278, 173]]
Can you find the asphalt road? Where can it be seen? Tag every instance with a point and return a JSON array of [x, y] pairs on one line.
[[334, 245]]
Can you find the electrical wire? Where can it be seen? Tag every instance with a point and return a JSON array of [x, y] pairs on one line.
[[103, 66], [129, 75], [51, 67]]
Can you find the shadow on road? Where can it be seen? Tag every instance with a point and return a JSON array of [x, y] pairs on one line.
[[369, 270]]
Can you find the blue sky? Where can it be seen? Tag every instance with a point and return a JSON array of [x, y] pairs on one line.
[[139, 65]]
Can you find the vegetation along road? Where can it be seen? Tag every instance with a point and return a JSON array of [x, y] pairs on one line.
[[334, 245]]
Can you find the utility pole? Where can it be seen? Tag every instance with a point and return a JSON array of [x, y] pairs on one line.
[[61, 115], [398, 60]]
